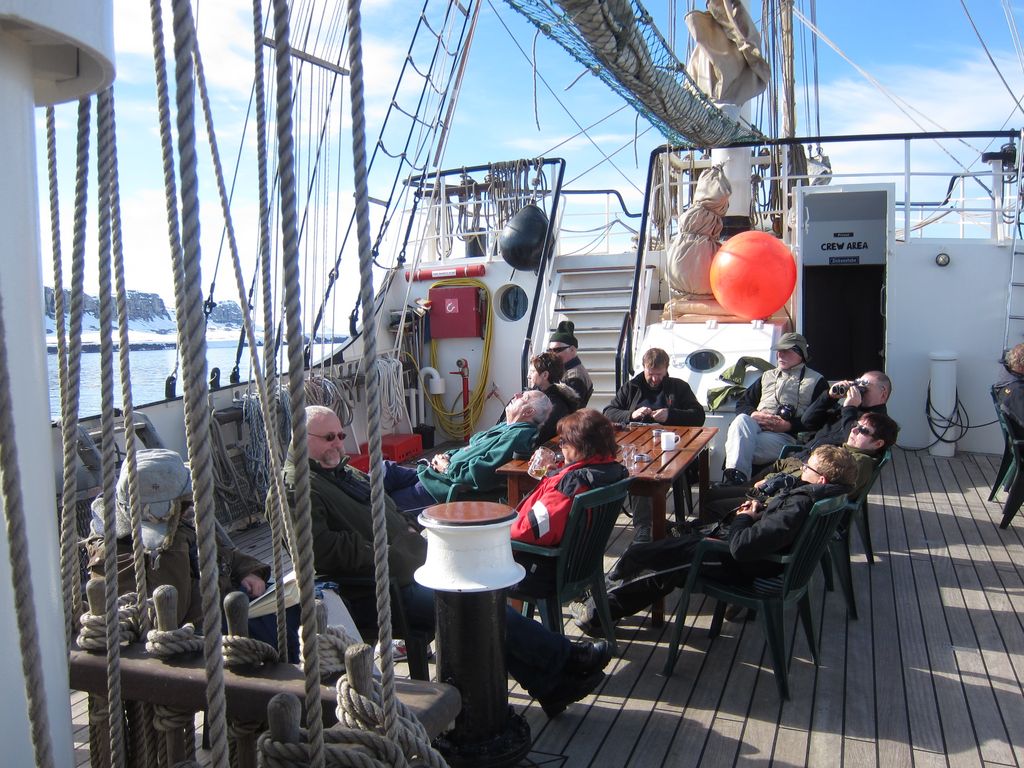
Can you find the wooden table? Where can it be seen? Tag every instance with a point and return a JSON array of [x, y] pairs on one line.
[[652, 478]]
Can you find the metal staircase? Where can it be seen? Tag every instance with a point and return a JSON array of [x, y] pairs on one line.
[[1014, 333], [596, 299]]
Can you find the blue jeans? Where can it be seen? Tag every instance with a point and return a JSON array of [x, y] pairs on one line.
[[403, 485], [534, 655]]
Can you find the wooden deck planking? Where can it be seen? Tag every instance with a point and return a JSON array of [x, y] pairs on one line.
[[930, 675]]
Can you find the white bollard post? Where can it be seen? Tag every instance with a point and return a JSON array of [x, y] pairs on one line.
[[943, 401]]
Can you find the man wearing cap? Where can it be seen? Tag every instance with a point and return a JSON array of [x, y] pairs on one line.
[[564, 344], [769, 413]]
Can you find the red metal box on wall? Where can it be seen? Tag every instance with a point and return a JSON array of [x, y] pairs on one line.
[[456, 312]]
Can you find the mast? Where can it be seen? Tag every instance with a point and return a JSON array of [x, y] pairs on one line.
[[737, 164], [52, 52]]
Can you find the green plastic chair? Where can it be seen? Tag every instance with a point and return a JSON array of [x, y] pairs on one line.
[[580, 558], [768, 597], [838, 552], [1009, 476]]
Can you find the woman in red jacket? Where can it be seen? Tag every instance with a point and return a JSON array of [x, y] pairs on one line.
[[587, 441]]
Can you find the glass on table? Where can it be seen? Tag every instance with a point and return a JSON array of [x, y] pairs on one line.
[[627, 455]]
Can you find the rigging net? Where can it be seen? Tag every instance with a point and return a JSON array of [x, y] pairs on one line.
[[618, 42]]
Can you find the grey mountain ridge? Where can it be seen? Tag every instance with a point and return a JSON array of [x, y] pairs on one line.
[[147, 308]]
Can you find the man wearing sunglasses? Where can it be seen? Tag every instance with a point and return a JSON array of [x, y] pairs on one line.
[[554, 670], [868, 439], [564, 344], [646, 572]]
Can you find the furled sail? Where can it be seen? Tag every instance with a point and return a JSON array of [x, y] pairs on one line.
[[618, 42], [727, 62]]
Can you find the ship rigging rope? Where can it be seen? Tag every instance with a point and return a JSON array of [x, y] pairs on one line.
[[69, 354], [17, 544], [192, 345], [108, 447], [362, 221], [128, 410], [298, 523], [277, 418]]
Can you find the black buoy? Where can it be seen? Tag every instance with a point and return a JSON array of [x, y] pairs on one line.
[[522, 240]]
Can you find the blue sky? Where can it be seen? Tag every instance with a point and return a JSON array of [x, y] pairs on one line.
[[925, 53]]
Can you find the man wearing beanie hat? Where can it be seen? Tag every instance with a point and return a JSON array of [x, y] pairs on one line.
[[564, 344], [768, 414]]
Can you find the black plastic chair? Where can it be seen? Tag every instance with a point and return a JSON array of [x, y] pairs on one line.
[[1009, 475], [579, 559], [768, 597], [838, 552]]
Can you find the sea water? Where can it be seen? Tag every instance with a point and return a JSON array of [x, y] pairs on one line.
[[149, 371]]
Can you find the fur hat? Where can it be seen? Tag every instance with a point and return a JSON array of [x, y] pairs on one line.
[[163, 479], [563, 334]]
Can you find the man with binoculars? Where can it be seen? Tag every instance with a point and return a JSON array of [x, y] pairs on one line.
[[772, 410], [833, 413]]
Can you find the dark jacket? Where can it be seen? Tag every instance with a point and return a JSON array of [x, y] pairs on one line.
[[564, 401], [343, 528], [544, 513], [577, 377], [831, 422], [1009, 395], [674, 394], [776, 530], [177, 565]]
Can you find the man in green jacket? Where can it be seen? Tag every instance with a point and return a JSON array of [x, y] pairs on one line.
[[474, 466], [553, 669]]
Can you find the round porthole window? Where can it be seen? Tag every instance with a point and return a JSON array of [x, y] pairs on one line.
[[512, 302], [704, 360]]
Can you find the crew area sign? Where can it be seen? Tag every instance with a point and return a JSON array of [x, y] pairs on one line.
[[844, 227]]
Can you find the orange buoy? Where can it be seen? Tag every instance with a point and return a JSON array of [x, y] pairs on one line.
[[753, 274]]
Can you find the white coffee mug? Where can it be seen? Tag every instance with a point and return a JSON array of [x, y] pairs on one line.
[[669, 440]]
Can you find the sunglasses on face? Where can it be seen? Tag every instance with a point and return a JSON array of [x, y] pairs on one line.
[[557, 349], [862, 430], [330, 437]]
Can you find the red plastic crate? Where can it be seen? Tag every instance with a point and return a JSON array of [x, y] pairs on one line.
[[398, 447], [360, 461]]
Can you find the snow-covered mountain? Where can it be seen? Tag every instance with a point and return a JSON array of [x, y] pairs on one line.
[[151, 323]]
